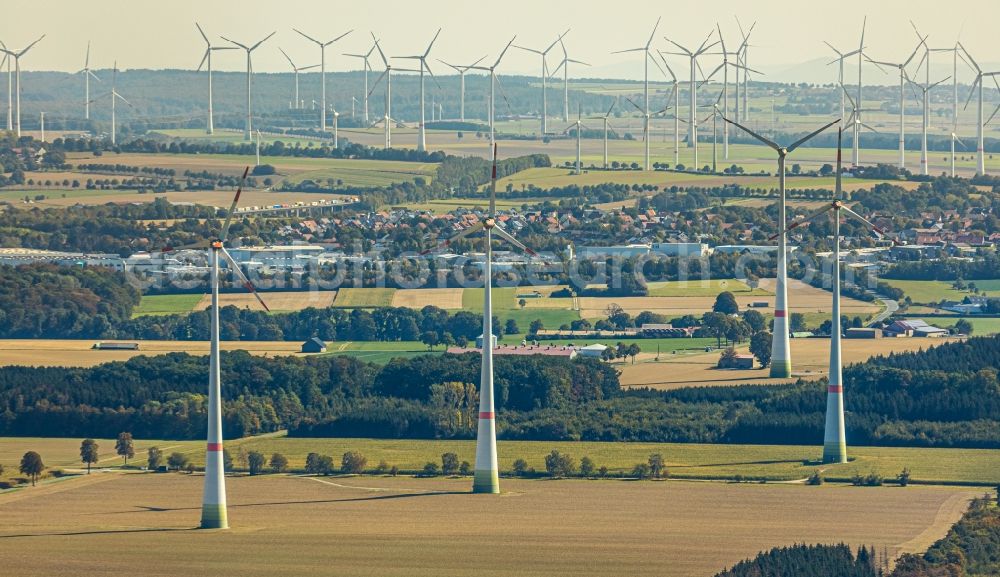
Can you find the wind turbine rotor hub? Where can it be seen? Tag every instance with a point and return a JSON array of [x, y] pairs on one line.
[[217, 244], [489, 223]]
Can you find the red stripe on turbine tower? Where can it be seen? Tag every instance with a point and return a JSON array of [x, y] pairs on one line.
[[215, 446], [779, 313], [486, 415], [837, 389]]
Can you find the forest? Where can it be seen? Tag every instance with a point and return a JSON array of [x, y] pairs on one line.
[[946, 397]]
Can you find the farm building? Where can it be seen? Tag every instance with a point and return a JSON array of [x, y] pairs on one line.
[[748, 249], [594, 351], [863, 333], [914, 328], [743, 362], [686, 249], [101, 346], [314, 345], [664, 331]]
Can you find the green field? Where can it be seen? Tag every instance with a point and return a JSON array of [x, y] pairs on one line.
[[665, 346], [236, 136], [773, 462], [366, 173], [447, 205], [379, 352], [363, 297], [505, 307], [166, 304], [703, 288], [933, 291]]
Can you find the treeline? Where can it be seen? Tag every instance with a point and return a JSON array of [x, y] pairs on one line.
[[970, 548], [808, 561], [50, 301], [984, 267]]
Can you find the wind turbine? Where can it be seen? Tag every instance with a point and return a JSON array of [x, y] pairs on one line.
[[115, 97], [924, 88], [646, 118], [461, 83], [745, 64], [564, 65], [578, 126], [296, 70], [322, 73], [87, 73], [16, 55], [693, 88], [336, 129], [545, 77], [978, 83], [954, 139], [726, 63], [677, 104], [10, 87], [387, 74], [422, 58], [647, 56], [486, 474], [248, 127], [781, 363], [902, 98], [367, 68], [494, 81], [607, 127], [835, 438], [207, 59], [854, 119], [213, 508], [841, 57], [856, 159]]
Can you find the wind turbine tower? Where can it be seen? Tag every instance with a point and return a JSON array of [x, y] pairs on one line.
[[693, 88], [781, 358], [902, 98], [564, 65], [322, 72], [545, 78], [295, 72], [494, 82], [248, 127], [422, 58], [367, 68], [461, 84], [87, 74], [17, 55], [647, 56], [207, 60]]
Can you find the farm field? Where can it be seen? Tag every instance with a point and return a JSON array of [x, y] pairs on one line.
[[379, 352], [702, 288], [810, 360], [277, 301], [547, 528], [78, 353], [684, 460], [363, 297], [443, 298], [933, 291], [217, 198], [167, 304], [552, 312]]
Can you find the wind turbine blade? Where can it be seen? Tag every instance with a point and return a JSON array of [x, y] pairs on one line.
[[254, 47], [637, 107], [25, 50], [811, 217], [972, 91], [995, 110], [431, 45], [975, 65], [203, 59], [444, 244], [377, 80], [499, 58], [613, 103], [86, 61], [429, 71], [864, 220], [657, 64], [94, 76], [653, 33], [766, 141], [308, 67], [684, 50], [385, 61], [945, 79], [341, 36], [502, 93], [672, 75], [287, 57], [232, 207], [243, 46], [839, 53], [307, 37], [959, 140], [507, 237], [804, 139], [200, 31], [639, 49], [243, 278]]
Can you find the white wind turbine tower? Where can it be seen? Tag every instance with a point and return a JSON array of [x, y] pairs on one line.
[[924, 88], [87, 73], [781, 363], [295, 71], [835, 438], [607, 127], [248, 127], [10, 87], [494, 82], [977, 88], [206, 61], [564, 66], [841, 57], [387, 110], [486, 474], [422, 58], [647, 56], [856, 159], [676, 106], [336, 129], [901, 66], [545, 78], [16, 55], [726, 63], [322, 73], [367, 68], [461, 84], [693, 86], [954, 139], [578, 126]]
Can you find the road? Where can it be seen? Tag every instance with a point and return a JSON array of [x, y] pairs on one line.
[[891, 307]]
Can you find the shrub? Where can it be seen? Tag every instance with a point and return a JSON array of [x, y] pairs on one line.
[[465, 468], [382, 468], [449, 463], [520, 468], [641, 471], [586, 467], [279, 463], [177, 461], [904, 477], [256, 461], [815, 479], [430, 469], [559, 465], [353, 462]]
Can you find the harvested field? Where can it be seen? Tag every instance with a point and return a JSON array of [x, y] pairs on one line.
[[216, 198], [78, 353], [443, 298], [363, 297], [802, 298], [404, 526], [276, 301], [810, 360]]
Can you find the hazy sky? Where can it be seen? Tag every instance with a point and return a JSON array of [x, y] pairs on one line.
[[146, 34]]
